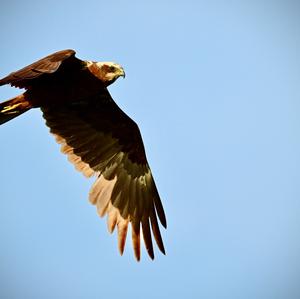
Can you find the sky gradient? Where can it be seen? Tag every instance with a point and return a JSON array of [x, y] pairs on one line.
[[214, 87]]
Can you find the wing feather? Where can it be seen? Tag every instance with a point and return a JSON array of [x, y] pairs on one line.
[[147, 236], [135, 224], [122, 233], [47, 65], [156, 231], [112, 218], [102, 140]]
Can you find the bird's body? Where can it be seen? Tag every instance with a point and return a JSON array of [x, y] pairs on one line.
[[98, 137]]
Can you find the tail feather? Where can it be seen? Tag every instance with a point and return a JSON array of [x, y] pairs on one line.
[[13, 108]]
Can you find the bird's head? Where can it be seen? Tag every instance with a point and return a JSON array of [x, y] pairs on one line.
[[107, 72]]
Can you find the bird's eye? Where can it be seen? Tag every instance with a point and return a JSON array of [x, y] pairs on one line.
[[112, 68]]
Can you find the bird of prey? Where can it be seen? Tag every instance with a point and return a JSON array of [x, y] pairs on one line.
[[98, 137]]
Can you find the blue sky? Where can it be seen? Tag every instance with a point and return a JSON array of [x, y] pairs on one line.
[[214, 87]]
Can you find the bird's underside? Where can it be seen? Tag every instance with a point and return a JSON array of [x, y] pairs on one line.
[[98, 137]]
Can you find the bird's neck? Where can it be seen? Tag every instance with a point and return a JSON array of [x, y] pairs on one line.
[[97, 72]]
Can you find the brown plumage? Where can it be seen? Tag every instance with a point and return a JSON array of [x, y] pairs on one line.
[[98, 137]]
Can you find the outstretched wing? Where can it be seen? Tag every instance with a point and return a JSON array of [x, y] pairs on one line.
[[99, 138], [47, 65]]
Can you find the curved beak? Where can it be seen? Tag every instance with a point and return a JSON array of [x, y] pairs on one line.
[[122, 73]]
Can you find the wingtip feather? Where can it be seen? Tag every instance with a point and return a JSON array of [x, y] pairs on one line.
[[147, 237], [122, 233], [156, 232], [135, 225]]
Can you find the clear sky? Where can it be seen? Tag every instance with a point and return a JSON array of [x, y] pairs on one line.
[[215, 89]]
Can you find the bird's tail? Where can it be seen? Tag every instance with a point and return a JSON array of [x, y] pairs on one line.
[[13, 108]]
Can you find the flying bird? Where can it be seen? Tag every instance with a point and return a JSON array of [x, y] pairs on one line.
[[98, 137]]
